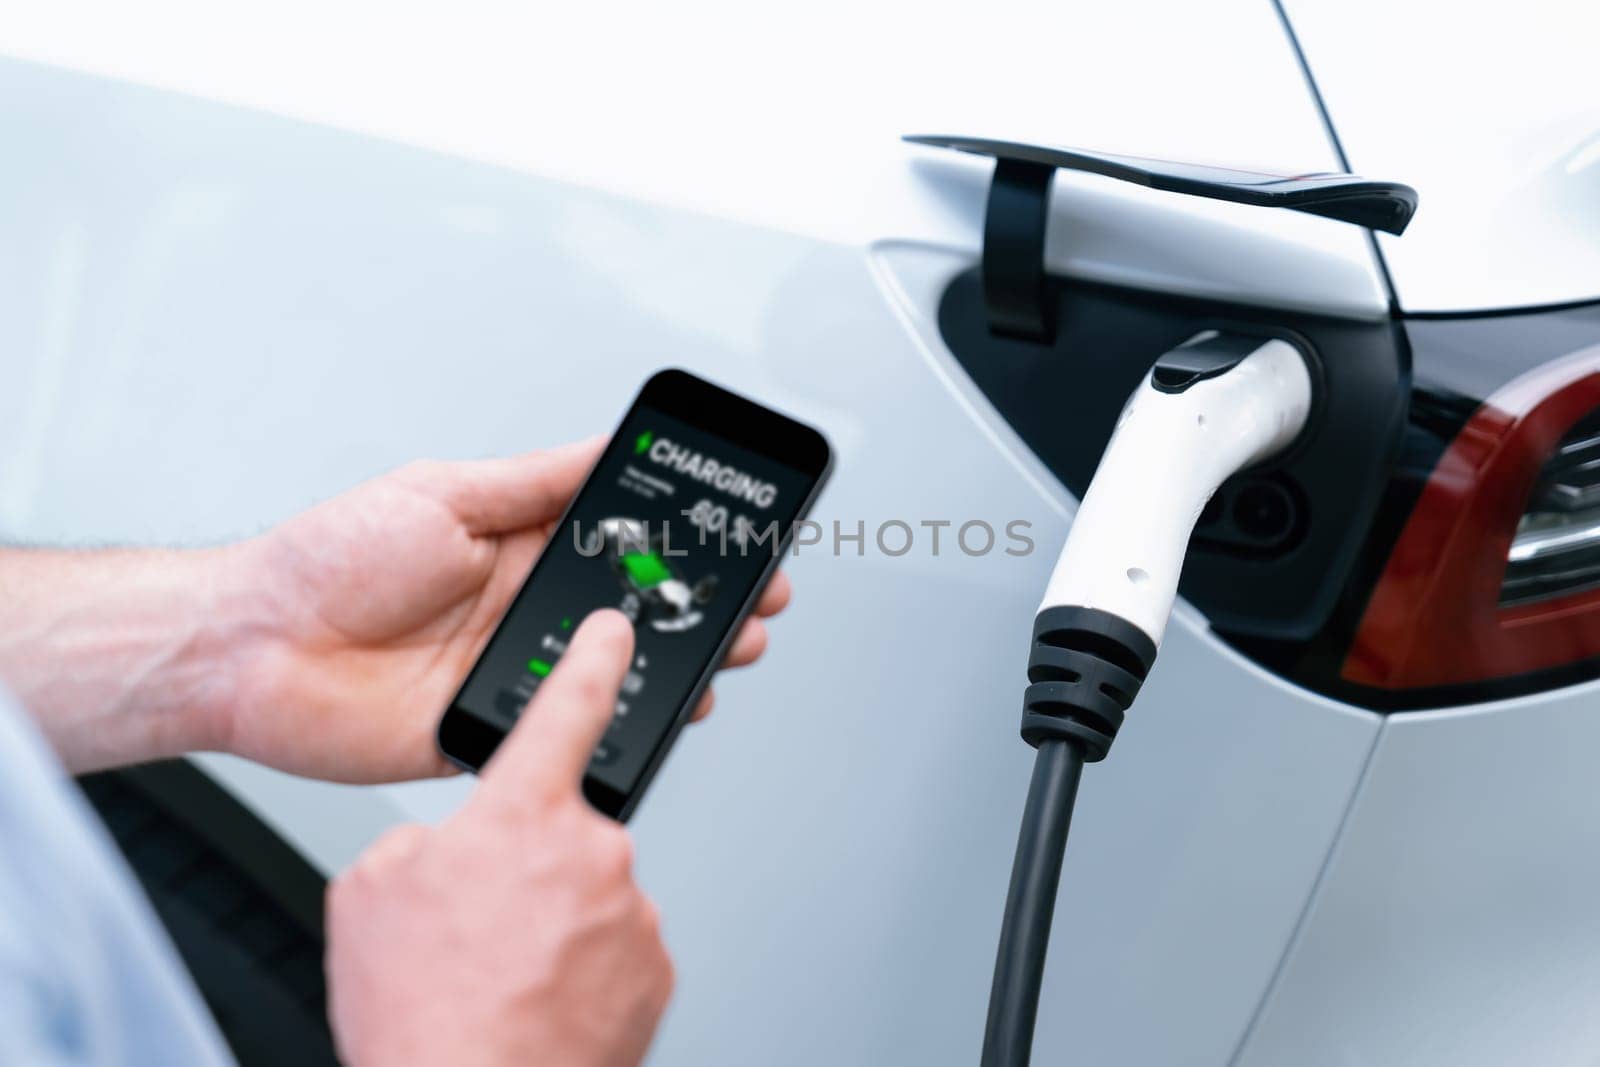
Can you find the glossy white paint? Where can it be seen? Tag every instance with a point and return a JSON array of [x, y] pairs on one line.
[[1113, 232], [1491, 111], [760, 115], [1456, 924], [212, 318]]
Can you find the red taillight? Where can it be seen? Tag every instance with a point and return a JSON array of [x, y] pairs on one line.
[[1440, 614]]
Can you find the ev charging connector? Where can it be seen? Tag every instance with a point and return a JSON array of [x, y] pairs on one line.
[[1208, 409]]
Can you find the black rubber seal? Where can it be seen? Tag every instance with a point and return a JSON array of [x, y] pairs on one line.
[[1085, 669]]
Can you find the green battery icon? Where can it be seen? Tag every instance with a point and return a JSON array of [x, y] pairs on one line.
[[645, 569]]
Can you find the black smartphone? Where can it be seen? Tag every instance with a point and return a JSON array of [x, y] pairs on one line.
[[682, 522]]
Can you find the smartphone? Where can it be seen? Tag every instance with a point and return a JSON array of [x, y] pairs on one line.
[[685, 517]]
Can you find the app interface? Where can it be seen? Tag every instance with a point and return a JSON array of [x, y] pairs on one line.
[[674, 528]]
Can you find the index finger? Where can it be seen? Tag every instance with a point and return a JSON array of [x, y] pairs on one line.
[[547, 751]]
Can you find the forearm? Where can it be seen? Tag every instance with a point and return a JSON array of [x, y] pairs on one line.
[[122, 656]]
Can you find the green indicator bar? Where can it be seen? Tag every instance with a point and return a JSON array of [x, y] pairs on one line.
[[646, 569], [539, 667]]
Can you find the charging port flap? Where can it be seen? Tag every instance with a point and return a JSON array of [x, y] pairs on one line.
[[1019, 196]]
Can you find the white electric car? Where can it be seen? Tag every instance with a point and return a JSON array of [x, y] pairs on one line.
[[250, 259]]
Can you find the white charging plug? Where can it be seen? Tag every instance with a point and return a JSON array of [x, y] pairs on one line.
[[1210, 408]]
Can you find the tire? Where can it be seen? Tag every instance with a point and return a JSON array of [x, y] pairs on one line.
[[243, 909]]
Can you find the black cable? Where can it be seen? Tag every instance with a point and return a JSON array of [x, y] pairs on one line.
[[1084, 670], [1031, 903]]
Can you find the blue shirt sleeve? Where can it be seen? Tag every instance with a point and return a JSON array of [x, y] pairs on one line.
[[87, 976]]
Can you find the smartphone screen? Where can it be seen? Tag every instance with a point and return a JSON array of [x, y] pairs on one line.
[[681, 522]]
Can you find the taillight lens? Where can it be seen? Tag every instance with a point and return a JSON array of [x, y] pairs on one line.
[[1497, 571]]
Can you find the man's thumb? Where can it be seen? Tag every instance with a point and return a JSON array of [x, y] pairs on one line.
[[552, 742]]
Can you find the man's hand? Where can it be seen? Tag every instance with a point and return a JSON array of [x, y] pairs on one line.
[[378, 601], [514, 932], [326, 647]]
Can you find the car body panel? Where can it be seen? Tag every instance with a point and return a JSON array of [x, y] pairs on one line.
[[1490, 113], [794, 124], [214, 318], [1456, 923]]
